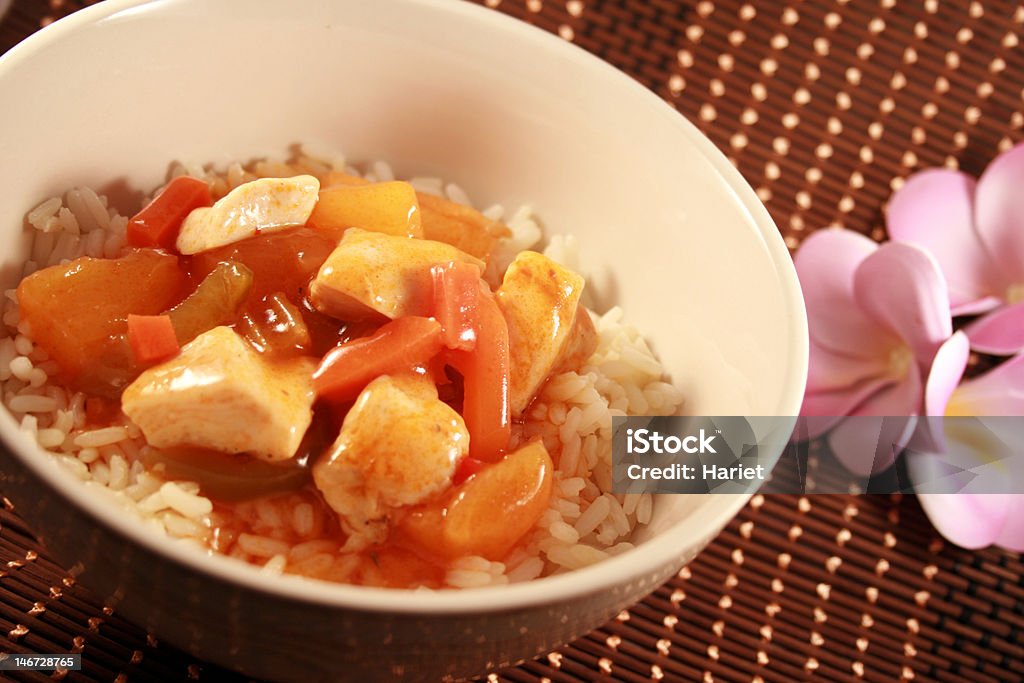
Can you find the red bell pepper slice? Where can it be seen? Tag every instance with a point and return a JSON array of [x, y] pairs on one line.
[[158, 224], [485, 371], [400, 344], [152, 338], [456, 291]]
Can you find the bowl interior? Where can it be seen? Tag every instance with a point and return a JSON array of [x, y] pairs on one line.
[[667, 228]]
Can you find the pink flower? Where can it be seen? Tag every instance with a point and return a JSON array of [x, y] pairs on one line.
[[881, 342], [975, 230], [882, 345], [988, 451]]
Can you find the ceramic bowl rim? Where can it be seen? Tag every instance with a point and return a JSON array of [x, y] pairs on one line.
[[604, 576]]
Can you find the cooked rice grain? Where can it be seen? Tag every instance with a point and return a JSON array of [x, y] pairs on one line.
[[261, 546], [466, 578], [303, 519], [104, 436], [302, 551], [276, 564], [596, 513]]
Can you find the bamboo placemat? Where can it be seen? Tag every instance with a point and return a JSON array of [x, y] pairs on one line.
[[825, 107]]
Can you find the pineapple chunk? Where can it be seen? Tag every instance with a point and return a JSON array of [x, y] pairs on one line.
[[371, 274], [461, 226], [390, 208]]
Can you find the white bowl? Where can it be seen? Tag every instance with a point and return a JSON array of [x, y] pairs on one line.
[[109, 96]]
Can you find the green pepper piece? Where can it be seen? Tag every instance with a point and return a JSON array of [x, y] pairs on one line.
[[216, 301]]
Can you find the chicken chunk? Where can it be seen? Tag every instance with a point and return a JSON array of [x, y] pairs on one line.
[[540, 301], [371, 274], [581, 345], [220, 393], [399, 445], [259, 206]]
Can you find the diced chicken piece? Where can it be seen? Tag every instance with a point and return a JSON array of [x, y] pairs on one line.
[[219, 393], [371, 274], [260, 206], [399, 445], [540, 301], [581, 345]]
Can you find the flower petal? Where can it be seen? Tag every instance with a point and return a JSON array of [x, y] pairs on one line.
[[975, 307], [826, 408], [831, 371], [998, 207], [967, 519], [826, 263], [1011, 536], [867, 447], [934, 210], [1000, 391], [1001, 332], [946, 372], [901, 288]]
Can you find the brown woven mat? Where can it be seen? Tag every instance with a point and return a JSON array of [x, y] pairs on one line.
[[824, 107]]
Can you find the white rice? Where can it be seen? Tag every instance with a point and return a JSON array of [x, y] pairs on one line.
[[101, 437], [262, 546], [303, 520], [309, 549], [32, 403], [584, 523], [596, 513], [185, 503], [276, 564]]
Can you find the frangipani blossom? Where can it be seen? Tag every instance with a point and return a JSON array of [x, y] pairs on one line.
[[975, 230], [989, 451], [880, 341]]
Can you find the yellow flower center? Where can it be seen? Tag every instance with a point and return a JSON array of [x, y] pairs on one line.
[[958, 406], [1015, 293], [975, 436], [900, 360]]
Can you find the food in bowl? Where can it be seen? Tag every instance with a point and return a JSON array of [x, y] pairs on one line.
[[331, 374]]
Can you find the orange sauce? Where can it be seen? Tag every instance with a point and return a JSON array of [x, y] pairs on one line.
[[282, 263]]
